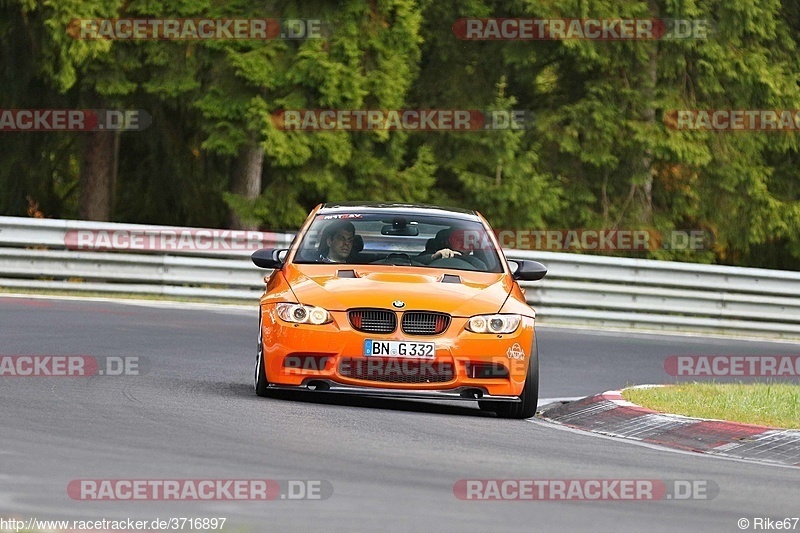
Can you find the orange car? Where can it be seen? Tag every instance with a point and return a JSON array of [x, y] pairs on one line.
[[399, 301]]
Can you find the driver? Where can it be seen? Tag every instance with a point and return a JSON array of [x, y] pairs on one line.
[[448, 244], [441, 245], [340, 238]]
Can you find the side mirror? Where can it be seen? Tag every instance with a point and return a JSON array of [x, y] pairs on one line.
[[269, 257], [528, 270]]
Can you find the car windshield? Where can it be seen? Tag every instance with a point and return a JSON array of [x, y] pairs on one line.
[[423, 241]]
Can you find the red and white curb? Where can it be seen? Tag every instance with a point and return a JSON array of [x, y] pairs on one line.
[[610, 414]]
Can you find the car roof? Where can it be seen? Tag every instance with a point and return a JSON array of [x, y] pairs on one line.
[[398, 208]]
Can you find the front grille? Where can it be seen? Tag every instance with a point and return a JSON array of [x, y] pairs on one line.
[[397, 370], [373, 320], [424, 323]]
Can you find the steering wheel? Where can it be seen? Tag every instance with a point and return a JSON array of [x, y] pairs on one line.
[[474, 261], [459, 262]]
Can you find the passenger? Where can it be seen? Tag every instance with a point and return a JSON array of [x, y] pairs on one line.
[[338, 242]]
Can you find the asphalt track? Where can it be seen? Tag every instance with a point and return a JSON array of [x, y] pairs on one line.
[[392, 464]]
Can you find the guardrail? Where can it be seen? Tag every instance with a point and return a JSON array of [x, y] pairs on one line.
[[579, 289]]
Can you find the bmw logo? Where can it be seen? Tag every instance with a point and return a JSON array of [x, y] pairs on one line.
[[399, 304]]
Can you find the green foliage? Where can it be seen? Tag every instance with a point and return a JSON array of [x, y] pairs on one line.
[[596, 152]]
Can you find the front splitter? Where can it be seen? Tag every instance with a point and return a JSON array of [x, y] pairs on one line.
[[470, 394]]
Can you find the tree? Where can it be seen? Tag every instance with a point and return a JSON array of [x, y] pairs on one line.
[[367, 60]]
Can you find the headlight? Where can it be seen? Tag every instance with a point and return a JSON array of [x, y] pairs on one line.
[[303, 314], [494, 323]]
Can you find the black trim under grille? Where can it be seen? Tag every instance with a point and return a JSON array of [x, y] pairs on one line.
[[396, 370], [425, 323], [373, 320]]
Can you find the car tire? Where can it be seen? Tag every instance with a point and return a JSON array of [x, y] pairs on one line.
[[260, 382], [525, 408]]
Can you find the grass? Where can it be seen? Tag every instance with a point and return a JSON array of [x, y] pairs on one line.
[[764, 404]]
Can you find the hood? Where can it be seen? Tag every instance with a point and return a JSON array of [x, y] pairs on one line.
[[380, 285]]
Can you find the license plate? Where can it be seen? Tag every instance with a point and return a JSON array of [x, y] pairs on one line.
[[424, 350]]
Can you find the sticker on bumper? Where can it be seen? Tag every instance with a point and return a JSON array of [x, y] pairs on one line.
[[516, 352]]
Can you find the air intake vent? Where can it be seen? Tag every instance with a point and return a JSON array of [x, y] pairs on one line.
[[424, 323], [451, 278], [373, 320]]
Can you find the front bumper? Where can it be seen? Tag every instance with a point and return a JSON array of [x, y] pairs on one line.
[[343, 347]]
